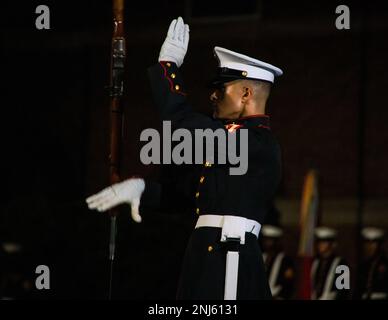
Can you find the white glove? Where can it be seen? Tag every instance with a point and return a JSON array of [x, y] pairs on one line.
[[128, 191], [175, 46]]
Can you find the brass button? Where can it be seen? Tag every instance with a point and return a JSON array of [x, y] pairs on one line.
[[173, 75], [177, 87], [244, 73], [197, 211], [209, 248], [197, 195], [201, 179], [208, 164], [168, 64]]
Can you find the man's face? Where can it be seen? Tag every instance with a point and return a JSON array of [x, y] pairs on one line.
[[227, 100], [324, 248], [268, 244], [370, 249]]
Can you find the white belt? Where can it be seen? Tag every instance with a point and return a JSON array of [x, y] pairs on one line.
[[232, 226], [233, 229]]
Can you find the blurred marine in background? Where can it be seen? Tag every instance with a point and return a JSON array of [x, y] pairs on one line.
[[372, 278], [280, 267], [323, 270]]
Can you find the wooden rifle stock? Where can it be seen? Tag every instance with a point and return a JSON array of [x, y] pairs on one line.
[[116, 117], [118, 55]]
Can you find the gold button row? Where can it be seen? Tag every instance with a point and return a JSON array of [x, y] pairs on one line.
[[201, 179]]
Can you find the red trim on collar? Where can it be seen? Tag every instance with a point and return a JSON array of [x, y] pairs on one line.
[[254, 116]]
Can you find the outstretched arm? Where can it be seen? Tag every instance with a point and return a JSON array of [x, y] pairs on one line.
[[128, 191]]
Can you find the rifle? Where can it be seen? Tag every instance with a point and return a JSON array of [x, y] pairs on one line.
[[116, 89]]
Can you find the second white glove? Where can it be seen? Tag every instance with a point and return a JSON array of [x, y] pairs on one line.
[[175, 46], [128, 191]]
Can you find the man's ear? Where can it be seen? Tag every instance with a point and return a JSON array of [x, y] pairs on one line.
[[247, 94]]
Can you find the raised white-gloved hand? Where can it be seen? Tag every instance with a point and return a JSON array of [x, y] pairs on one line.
[[175, 46], [128, 191]]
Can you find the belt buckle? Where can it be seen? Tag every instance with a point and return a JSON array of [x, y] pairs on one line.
[[232, 239], [233, 229]]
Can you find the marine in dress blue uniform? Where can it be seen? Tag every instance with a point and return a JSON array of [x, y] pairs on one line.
[[372, 275], [279, 266], [323, 270], [217, 193], [223, 259]]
